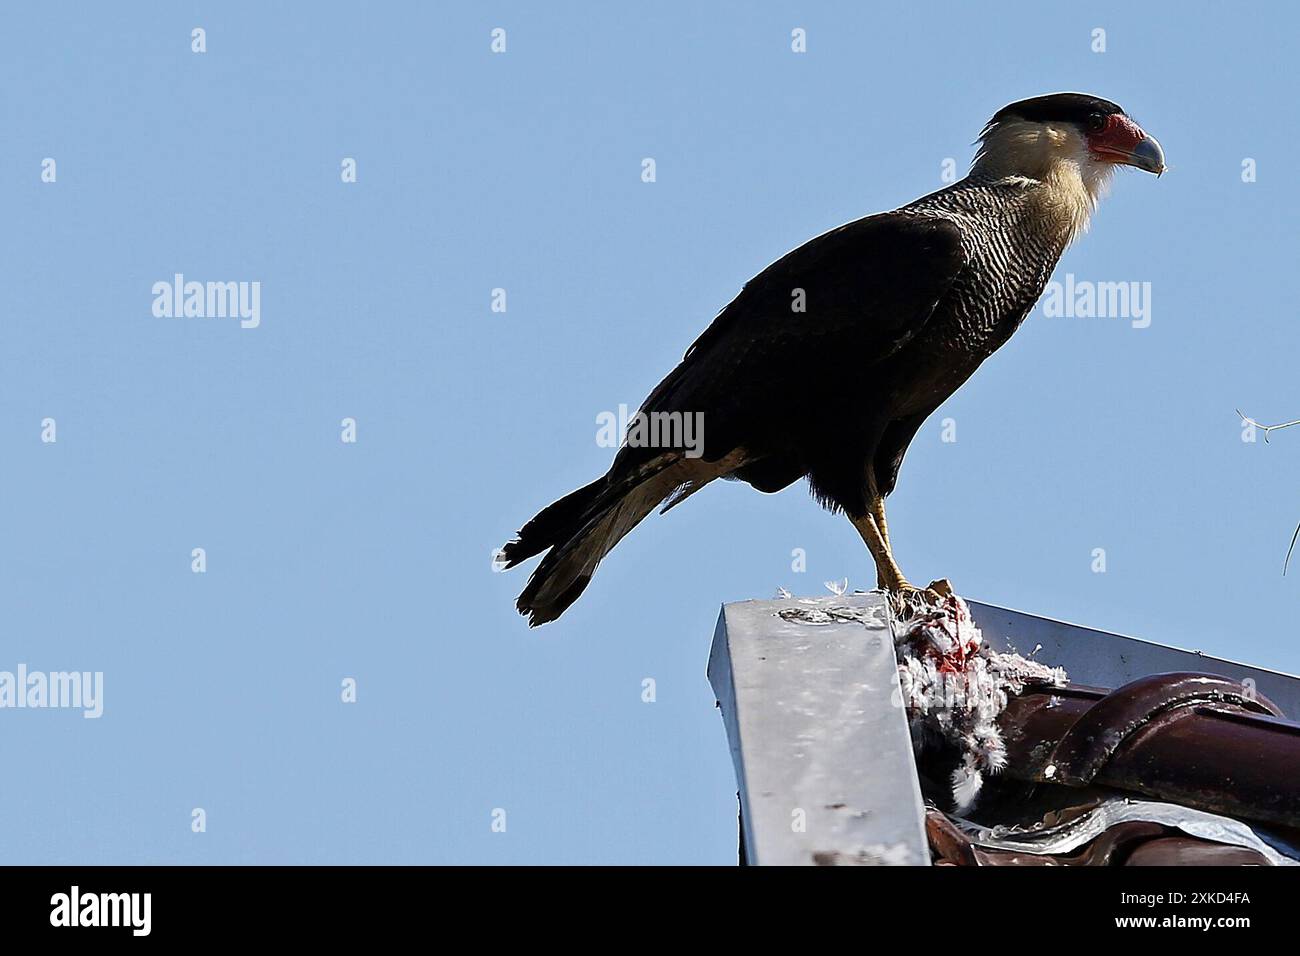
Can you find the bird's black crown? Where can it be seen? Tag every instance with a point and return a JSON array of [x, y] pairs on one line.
[[1059, 107]]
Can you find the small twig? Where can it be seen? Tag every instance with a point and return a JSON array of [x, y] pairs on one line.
[[1266, 428]]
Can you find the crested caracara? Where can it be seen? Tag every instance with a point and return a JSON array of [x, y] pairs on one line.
[[828, 361]]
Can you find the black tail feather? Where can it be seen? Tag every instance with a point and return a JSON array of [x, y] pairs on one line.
[[554, 524], [578, 530], [543, 613]]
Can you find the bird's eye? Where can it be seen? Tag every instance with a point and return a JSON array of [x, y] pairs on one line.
[[1096, 122]]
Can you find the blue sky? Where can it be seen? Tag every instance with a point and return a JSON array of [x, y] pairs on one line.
[[370, 560]]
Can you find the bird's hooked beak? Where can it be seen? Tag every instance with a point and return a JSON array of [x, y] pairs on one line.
[[1123, 142]]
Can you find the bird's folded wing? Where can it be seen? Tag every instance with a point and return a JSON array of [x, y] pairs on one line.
[[853, 295]]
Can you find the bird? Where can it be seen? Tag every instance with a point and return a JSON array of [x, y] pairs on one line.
[[826, 364]]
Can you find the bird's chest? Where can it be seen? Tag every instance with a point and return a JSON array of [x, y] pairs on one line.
[[983, 308], [1007, 272]]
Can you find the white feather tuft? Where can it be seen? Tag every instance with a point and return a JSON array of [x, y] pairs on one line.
[[954, 689]]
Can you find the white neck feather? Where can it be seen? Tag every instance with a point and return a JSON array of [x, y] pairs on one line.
[[1055, 157]]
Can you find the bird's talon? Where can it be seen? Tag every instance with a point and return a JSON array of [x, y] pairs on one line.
[[908, 600], [942, 587]]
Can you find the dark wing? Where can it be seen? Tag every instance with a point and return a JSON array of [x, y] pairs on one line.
[[867, 288]]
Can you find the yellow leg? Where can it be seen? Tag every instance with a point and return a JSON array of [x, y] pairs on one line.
[[888, 575], [875, 532], [878, 512]]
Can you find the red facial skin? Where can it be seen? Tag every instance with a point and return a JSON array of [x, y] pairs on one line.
[[1114, 142]]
